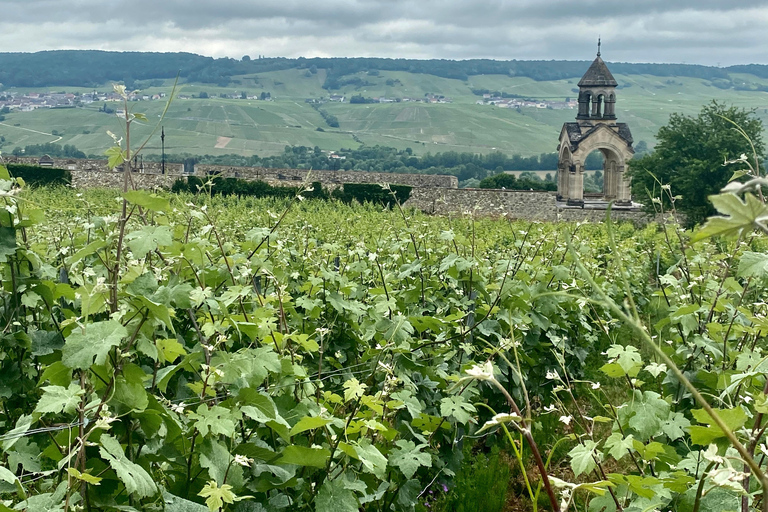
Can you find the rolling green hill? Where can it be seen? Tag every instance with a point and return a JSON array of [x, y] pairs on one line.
[[218, 126]]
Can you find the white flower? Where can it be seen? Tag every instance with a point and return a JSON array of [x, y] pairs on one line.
[[481, 372], [243, 460], [595, 385], [549, 408], [566, 419], [711, 454], [552, 375]]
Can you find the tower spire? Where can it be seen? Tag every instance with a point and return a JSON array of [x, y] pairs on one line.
[[598, 46]]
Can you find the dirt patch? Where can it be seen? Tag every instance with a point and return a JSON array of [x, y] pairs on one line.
[[222, 142]]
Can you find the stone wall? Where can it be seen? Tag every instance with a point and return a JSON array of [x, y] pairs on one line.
[[73, 164], [329, 177], [432, 194], [107, 179], [515, 204], [520, 204], [292, 176]]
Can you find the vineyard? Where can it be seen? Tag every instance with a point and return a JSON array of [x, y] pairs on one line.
[[194, 352]]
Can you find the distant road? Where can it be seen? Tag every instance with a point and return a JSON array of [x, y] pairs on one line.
[[33, 131]]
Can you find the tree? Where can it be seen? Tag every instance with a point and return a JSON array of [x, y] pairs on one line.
[[690, 154], [502, 180]]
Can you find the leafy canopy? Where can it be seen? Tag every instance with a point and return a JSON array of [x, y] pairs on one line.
[[690, 156]]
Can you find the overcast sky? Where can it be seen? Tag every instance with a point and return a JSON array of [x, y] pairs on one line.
[[710, 32]]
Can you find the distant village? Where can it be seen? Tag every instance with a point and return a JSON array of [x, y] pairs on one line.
[[30, 101], [341, 98], [498, 101], [27, 102]]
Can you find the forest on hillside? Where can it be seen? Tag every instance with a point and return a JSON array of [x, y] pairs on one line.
[[91, 68]]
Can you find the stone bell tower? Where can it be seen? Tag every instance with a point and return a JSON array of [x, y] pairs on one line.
[[595, 128]]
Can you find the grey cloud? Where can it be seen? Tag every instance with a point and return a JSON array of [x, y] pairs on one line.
[[695, 31]]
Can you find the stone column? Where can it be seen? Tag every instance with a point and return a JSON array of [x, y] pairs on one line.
[[562, 181], [609, 180], [576, 186], [624, 192]]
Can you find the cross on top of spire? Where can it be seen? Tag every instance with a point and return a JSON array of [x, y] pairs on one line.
[[598, 46]]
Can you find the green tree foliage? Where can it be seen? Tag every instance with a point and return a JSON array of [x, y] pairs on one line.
[[359, 98], [510, 182], [690, 156], [136, 69], [36, 175], [50, 149]]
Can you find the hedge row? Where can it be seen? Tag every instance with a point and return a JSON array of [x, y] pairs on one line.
[[347, 193], [37, 176]]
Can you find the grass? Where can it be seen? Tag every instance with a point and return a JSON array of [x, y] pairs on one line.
[[266, 127]]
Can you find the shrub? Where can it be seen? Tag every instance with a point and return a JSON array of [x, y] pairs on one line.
[[37, 176], [372, 193], [238, 187]]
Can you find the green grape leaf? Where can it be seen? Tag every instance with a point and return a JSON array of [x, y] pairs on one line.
[[738, 216], [115, 156], [628, 358], [133, 476], [582, 457], [129, 389], [753, 264], [303, 456], [618, 446], [309, 423], [13, 436], [373, 461], [217, 460], [335, 497], [170, 349], [56, 399], [149, 201], [90, 345], [7, 243], [457, 407], [648, 411], [676, 426], [217, 420], [7, 476], [408, 494], [215, 496], [353, 389], [148, 239], [408, 458], [176, 504], [410, 402], [733, 418]]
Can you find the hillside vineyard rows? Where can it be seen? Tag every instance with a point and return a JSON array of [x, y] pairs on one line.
[[226, 353], [222, 108]]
